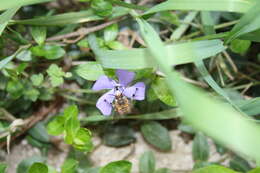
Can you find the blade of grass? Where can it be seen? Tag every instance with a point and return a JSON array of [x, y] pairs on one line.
[[6, 16], [163, 115], [208, 25], [208, 78], [215, 118], [6, 4], [181, 53], [248, 23], [70, 18], [5, 61], [250, 107], [176, 35], [240, 6], [207, 22]]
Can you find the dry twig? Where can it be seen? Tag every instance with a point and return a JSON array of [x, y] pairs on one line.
[[36, 117], [81, 32]]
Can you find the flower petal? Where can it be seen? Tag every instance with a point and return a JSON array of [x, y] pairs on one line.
[[104, 103], [125, 77], [135, 92], [103, 83]]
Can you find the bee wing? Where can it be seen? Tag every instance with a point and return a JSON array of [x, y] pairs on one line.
[[125, 77], [104, 103], [135, 92]]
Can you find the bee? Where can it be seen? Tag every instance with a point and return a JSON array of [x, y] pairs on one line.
[[121, 104]]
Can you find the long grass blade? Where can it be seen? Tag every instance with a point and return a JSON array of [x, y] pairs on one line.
[[215, 118], [163, 115], [70, 18], [6, 4], [181, 53], [240, 6], [248, 23], [6, 17]]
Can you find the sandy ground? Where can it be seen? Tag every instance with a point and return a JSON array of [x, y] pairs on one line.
[[179, 159]]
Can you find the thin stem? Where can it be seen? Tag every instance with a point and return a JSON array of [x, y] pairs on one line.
[[212, 36], [82, 101]]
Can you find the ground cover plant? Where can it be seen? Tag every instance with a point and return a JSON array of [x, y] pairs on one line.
[[78, 69]]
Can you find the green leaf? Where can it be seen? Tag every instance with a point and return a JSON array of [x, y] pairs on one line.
[[69, 166], [83, 43], [39, 132], [51, 52], [3, 167], [56, 75], [163, 170], [35, 142], [15, 88], [6, 16], [90, 71], [6, 4], [186, 128], [160, 88], [25, 55], [25, 164], [110, 33], [147, 162], [101, 7], [39, 34], [214, 169], [31, 94], [200, 148], [240, 6], [156, 135], [6, 60], [118, 135], [37, 79], [72, 126], [117, 167], [38, 168], [180, 53], [82, 140], [248, 23], [240, 46], [239, 164], [56, 126], [71, 111]]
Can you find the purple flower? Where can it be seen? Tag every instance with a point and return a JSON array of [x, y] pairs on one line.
[[135, 92]]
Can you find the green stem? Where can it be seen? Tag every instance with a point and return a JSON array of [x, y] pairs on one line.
[[76, 99]]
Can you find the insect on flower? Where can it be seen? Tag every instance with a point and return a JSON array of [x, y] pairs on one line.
[[120, 95]]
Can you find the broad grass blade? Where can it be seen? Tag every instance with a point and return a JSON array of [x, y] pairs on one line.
[[215, 118], [240, 6], [248, 23]]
